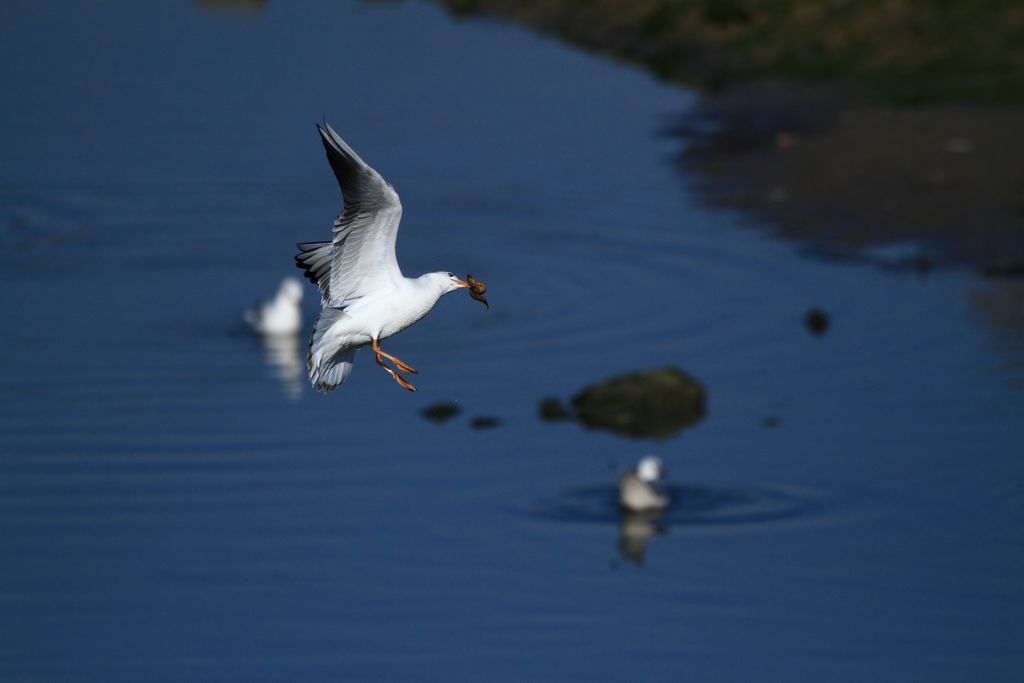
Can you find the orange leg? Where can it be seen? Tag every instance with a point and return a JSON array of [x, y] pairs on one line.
[[377, 353], [401, 365]]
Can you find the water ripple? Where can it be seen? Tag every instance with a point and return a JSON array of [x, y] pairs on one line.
[[692, 505]]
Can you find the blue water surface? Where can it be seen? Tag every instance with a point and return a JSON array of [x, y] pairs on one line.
[[177, 504]]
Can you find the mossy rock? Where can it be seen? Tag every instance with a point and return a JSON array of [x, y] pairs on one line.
[[552, 410], [655, 404]]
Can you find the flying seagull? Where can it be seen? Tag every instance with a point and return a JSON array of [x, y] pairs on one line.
[[366, 299]]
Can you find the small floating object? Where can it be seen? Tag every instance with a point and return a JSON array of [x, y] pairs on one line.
[[477, 289], [816, 321], [440, 412], [640, 489], [484, 422]]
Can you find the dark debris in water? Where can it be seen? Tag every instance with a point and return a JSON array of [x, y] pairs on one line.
[[655, 404], [440, 412], [816, 321], [236, 6], [484, 422]]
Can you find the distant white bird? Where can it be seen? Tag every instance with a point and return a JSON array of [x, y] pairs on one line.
[[639, 489], [281, 315], [365, 296]]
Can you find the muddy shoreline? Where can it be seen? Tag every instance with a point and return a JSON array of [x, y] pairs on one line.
[[921, 187], [833, 156]]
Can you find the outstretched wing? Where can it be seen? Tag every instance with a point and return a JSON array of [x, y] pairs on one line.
[[361, 257]]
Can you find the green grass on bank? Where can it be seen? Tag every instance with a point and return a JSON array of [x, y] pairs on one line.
[[900, 50]]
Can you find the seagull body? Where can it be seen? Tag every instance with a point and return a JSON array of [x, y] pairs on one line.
[[639, 489], [280, 316], [365, 297]]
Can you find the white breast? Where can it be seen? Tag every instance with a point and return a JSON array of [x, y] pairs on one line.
[[637, 495], [387, 312]]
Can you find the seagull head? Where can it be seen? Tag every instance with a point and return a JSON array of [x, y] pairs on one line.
[[649, 469], [447, 282], [290, 290]]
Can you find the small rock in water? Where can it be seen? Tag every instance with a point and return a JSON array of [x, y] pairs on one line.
[[654, 404], [441, 412], [484, 422], [816, 321], [552, 410]]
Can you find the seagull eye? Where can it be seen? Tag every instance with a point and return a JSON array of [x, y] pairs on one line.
[[450, 275]]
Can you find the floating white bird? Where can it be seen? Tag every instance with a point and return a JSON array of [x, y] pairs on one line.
[[639, 489], [365, 296], [281, 315]]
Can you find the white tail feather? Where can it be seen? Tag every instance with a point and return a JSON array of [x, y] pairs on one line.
[[329, 375], [327, 371]]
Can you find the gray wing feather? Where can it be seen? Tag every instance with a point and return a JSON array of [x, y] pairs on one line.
[[314, 258], [362, 255]]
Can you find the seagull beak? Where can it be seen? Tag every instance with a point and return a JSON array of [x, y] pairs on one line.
[[460, 283]]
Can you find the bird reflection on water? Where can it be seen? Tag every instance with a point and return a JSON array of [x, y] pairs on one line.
[[283, 355], [635, 529]]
